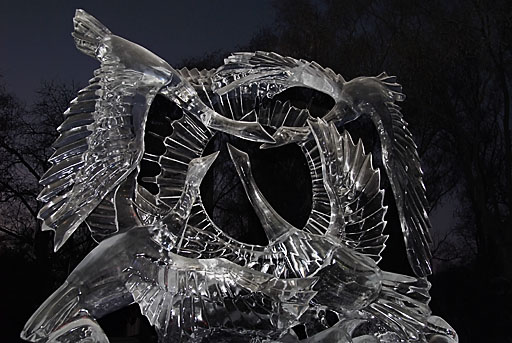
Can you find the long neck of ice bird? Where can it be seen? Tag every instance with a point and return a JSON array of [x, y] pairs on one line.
[[274, 225], [177, 218]]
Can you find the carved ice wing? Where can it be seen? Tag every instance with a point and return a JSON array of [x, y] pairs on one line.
[[101, 140], [197, 77], [353, 188], [271, 73], [402, 306], [184, 296], [376, 96]]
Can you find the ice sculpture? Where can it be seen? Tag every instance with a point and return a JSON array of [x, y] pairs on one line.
[[190, 278]]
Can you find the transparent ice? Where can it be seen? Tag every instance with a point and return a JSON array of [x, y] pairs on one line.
[[191, 279]]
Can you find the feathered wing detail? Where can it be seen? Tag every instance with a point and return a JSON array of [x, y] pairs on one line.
[[406, 177], [203, 239], [196, 77], [187, 141], [183, 297], [402, 306], [352, 186], [376, 97], [102, 221], [271, 73], [101, 140], [115, 213]]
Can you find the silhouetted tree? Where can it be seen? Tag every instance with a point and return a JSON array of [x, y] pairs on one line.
[[454, 61], [31, 270]]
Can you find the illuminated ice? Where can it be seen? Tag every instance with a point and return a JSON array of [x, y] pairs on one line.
[[163, 252]]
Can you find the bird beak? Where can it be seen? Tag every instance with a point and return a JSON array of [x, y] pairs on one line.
[[340, 114], [251, 131], [286, 135]]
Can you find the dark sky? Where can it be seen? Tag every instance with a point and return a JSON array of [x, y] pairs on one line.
[[36, 42], [36, 45]]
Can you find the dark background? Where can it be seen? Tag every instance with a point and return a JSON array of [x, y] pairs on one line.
[[453, 59]]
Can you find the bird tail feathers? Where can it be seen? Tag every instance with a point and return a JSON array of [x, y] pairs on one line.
[[88, 33]]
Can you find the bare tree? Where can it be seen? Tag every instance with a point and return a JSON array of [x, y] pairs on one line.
[[27, 133], [454, 60]]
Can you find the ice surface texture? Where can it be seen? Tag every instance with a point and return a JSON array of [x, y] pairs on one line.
[[162, 250]]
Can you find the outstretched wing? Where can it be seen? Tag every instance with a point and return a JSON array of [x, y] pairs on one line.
[[184, 297], [352, 186], [101, 140], [376, 96], [271, 73]]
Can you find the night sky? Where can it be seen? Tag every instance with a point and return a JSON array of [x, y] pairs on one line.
[[36, 47], [36, 43]]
